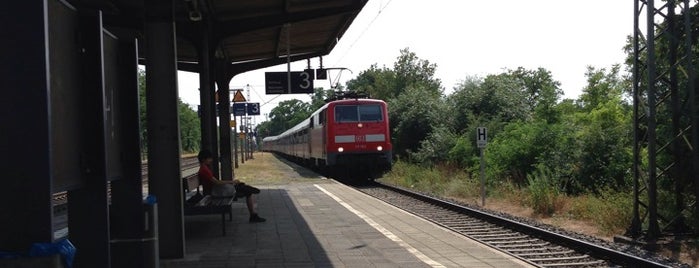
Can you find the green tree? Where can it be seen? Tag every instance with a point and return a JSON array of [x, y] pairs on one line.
[[286, 115], [602, 86], [518, 149], [408, 71], [604, 130], [318, 98], [190, 126], [463, 101], [411, 71], [497, 97], [289, 113], [414, 115], [542, 92], [377, 82], [520, 102], [604, 141], [142, 111], [414, 98]]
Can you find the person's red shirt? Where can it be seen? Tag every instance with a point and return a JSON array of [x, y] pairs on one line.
[[206, 178]]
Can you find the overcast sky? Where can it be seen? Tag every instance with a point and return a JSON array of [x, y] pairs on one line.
[[465, 38]]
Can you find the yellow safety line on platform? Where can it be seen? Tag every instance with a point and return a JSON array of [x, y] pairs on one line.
[[384, 231]]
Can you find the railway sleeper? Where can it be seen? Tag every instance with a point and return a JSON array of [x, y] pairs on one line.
[[547, 253], [451, 219], [485, 230], [559, 259], [524, 242], [426, 208], [472, 234], [519, 246], [470, 223], [579, 264], [476, 228], [495, 237], [552, 249], [498, 241], [463, 223]]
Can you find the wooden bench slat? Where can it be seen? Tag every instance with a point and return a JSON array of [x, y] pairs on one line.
[[196, 204]]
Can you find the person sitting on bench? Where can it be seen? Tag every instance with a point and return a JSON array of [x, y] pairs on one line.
[[213, 185]]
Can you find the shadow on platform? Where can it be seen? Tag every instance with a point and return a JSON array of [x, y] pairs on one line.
[[284, 240]]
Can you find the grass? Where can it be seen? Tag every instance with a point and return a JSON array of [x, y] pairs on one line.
[[262, 171], [544, 196], [610, 212]]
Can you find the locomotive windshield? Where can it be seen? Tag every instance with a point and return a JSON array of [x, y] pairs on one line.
[[358, 113]]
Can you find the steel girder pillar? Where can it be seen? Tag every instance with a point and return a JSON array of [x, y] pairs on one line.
[[213, 115], [665, 115], [126, 211], [26, 139], [163, 125], [224, 117], [88, 213], [207, 109]]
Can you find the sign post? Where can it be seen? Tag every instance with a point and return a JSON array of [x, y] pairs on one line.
[[482, 141], [238, 106]]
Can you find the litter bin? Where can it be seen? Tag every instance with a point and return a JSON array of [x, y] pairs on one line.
[[141, 251]]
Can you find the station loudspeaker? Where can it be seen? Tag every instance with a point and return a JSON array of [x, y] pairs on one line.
[[321, 74]]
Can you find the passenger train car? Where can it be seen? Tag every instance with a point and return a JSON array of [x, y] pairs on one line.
[[347, 135]]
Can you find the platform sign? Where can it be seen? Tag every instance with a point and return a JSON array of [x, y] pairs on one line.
[[481, 137], [253, 108], [238, 109], [238, 97], [278, 83], [482, 141]]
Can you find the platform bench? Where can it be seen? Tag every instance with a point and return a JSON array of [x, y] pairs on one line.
[[195, 203]]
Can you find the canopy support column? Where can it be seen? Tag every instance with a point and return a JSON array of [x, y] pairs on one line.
[[163, 126]]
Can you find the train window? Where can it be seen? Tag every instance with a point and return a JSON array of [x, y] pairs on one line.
[[353, 113], [369, 113], [321, 118], [346, 113]]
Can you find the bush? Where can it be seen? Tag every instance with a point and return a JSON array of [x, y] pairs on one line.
[[425, 179], [436, 147], [507, 190], [460, 186], [610, 211], [543, 192]]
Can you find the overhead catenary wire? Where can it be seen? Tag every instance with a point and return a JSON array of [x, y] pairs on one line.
[[381, 8]]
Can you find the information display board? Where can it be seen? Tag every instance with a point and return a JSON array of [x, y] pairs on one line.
[[278, 83]]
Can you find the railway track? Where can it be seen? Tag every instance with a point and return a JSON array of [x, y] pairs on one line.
[[532, 244], [186, 163]]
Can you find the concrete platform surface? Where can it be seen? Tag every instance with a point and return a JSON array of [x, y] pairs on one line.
[[322, 223]]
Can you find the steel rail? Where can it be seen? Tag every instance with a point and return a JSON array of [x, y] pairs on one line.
[[579, 245]]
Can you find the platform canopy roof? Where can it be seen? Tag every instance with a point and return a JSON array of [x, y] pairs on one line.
[[250, 33]]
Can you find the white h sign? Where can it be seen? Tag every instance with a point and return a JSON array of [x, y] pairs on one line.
[[481, 137]]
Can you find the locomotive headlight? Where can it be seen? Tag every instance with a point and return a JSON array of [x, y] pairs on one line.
[[340, 149], [379, 148], [360, 125]]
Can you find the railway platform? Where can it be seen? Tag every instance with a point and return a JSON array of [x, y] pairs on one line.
[[322, 223]]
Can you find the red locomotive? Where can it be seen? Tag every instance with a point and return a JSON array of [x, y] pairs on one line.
[[349, 136]]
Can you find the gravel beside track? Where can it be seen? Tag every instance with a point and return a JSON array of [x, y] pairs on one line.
[[538, 244]]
